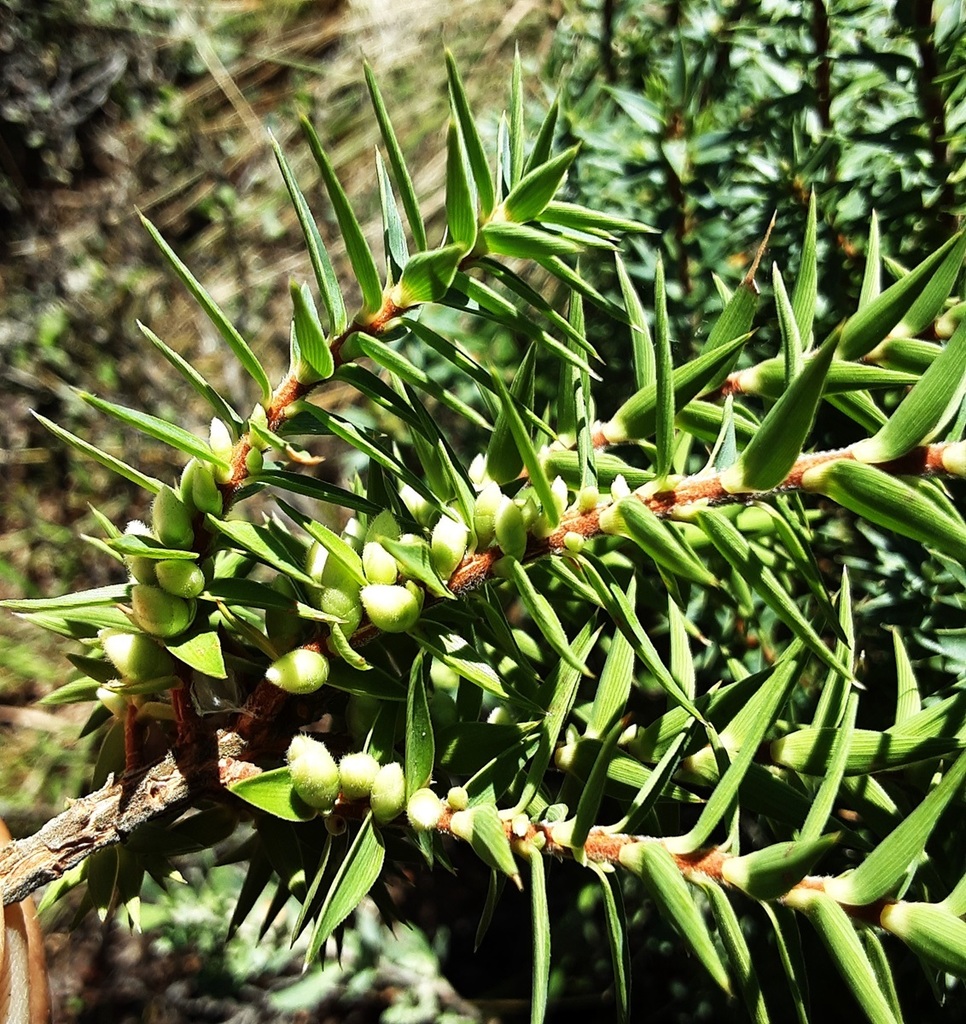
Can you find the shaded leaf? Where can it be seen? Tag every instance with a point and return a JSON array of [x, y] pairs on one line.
[[222, 324]]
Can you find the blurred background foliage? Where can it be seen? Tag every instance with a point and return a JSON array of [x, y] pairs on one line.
[[701, 118]]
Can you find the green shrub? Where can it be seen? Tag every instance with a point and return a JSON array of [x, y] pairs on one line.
[[622, 653]]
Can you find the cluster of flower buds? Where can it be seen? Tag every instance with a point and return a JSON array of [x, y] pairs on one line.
[[374, 572], [321, 782], [164, 589]]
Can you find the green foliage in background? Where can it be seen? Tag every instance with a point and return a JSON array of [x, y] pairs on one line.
[[524, 627], [712, 116]]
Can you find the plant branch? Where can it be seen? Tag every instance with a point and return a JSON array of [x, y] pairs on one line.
[[107, 817], [267, 712]]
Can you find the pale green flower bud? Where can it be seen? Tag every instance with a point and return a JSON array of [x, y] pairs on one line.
[[340, 595], [442, 676], [574, 542], [219, 439], [181, 578], [458, 799], [378, 565], [357, 773], [315, 774], [418, 506], [258, 419], [343, 603], [461, 825], [299, 671], [142, 569], [160, 613], [254, 462], [354, 535], [155, 711], [954, 458], [199, 490], [172, 520], [587, 498], [448, 544], [135, 656], [315, 559], [115, 702], [619, 488], [388, 796], [424, 810], [611, 521], [529, 508], [392, 609], [484, 515], [511, 534], [477, 469]]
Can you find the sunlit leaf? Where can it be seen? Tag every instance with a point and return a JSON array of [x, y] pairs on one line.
[[354, 878]]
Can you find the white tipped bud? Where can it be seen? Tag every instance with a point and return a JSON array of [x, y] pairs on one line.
[[136, 656], [619, 488], [450, 537], [418, 506], [115, 702], [392, 609], [388, 796], [221, 444], [424, 810], [954, 458], [299, 671], [378, 565], [357, 772], [315, 775], [354, 535], [461, 825], [135, 528], [315, 559], [477, 469]]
